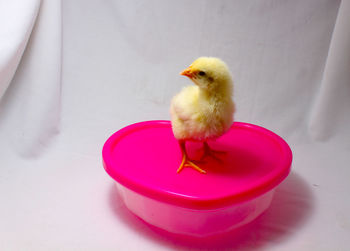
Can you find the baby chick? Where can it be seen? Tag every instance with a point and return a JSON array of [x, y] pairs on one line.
[[203, 111]]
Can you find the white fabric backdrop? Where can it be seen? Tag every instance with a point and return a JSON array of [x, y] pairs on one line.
[[73, 73]]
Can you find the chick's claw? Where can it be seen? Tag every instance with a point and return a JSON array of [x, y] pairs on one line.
[[188, 163], [193, 165], [208, 152]]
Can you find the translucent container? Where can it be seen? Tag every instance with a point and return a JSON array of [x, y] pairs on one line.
[[143, 158]]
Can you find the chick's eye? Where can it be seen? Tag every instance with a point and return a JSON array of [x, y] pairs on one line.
[[201, 73]]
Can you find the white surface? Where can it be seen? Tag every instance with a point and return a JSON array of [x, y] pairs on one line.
[[119, 64]]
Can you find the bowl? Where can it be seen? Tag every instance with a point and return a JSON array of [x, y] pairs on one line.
[[237, 187]]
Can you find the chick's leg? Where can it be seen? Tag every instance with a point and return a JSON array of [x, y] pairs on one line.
[[185, 160], [211, 152]]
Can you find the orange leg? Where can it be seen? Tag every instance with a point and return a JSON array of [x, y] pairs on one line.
[[186, 161], [210, 152]]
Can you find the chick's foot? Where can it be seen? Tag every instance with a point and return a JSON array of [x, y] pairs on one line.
[[208, 152], [188, 163]]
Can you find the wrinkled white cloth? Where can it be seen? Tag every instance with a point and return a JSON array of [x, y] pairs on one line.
[[30, 107], [16, 20], [72, 73]]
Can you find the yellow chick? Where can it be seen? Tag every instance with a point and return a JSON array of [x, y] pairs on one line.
[[203, 111]]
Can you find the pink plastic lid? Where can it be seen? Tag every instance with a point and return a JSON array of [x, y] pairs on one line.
[[144, 157]]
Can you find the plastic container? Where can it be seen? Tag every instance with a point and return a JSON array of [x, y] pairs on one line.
[[143, 158]]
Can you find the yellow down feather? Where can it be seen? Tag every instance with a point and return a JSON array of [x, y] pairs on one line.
[[205, 110]]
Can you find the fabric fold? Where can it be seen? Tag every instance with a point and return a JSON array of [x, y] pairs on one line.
[[330, 115], [31, 108], [16, 23]]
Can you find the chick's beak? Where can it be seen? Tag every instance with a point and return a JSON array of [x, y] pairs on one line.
[[188, 72]]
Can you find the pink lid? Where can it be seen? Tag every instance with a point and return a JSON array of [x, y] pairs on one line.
[[145, 156]]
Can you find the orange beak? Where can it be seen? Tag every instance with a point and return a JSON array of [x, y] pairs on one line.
[[188, 72]]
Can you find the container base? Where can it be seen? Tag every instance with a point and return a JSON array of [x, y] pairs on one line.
[[191, 222]]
